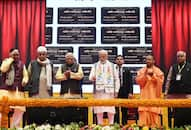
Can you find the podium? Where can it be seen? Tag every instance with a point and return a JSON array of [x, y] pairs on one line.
[[52, 115]]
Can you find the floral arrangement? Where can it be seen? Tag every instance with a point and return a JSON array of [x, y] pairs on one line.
[[78, 126], [99, 127], [188, 127]]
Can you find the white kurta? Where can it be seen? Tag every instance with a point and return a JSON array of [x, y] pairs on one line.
[[106, 84]]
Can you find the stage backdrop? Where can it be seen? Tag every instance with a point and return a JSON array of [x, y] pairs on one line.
[[22, 25], [171, 30], [86, 26]]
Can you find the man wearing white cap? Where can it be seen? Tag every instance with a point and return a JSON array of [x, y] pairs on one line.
[[40, 75]]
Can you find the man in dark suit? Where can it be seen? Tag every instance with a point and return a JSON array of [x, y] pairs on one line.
[[126, 87]]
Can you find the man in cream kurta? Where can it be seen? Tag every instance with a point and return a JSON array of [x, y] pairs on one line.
[[150, 79], [106, 83]]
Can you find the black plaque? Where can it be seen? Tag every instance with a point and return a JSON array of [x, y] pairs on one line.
[[80, 35], [148, 11], [86, 71], [89, 55], [148, 35], [120, 15], [48, 35], [49, 15], [81, 15], [117, 35], [136, 55], [57, 54]]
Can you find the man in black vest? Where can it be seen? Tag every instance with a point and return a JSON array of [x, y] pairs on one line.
[[178, 85], [126, 87], [40, 75], [70, 74]]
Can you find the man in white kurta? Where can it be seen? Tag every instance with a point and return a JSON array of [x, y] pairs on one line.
[[106, 85]]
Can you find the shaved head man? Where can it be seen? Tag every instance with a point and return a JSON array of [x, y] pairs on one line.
[[150, 78]]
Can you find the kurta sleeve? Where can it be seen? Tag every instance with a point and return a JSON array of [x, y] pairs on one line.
[[79, 75], [29, 70], [141, 77], [92, 75], [117, 81], [25, 76], [158, 77], [6, 64], [59, 75], [169, 76]]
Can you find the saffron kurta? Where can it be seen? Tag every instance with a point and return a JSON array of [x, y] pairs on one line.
[[151, 88]]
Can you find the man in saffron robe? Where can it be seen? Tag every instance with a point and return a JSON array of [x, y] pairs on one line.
[[106, 81], [150, 79]]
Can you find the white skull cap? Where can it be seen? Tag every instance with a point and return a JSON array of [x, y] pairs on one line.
[[41, 49]]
